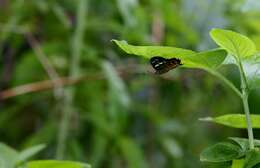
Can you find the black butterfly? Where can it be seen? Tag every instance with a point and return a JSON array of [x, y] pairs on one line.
[[163, 65]]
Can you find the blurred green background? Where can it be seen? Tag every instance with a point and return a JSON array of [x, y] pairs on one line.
[[89, 101]]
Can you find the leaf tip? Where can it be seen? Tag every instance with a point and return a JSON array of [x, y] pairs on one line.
[[119, 41], [115, 41], [214, 29], [213, 32], [206, 119]]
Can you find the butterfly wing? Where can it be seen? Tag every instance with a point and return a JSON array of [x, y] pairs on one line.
[[173, 63], [158, 63], [163, 65]]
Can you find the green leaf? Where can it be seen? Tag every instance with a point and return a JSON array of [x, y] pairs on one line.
[[236, 44], [7, 156], [251, 67], [56, 164], [151, 51], [221, 152], [209, 59], [252, 70], [29, 152], [190, 59], [244, 143], [234, 120], [238, 163], [252, 159]]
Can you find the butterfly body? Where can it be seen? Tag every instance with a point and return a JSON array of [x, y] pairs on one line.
[[163, 65]]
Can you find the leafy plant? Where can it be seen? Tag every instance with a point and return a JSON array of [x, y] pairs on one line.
[[235, 49], [10, 158]]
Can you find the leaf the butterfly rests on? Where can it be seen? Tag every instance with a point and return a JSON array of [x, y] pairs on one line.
[[163, 65]]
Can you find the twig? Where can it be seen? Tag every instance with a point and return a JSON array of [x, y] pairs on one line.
[[65, 81], [38, 86], [58, 90]]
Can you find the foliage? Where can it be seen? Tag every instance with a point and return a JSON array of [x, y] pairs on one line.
[[239, 47], [10, 158], [234, 120], [117, 114]]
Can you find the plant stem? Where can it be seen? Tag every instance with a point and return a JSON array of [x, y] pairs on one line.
[[248, 121], [77, 45], [245, 93], [226, 81], [243, 96]]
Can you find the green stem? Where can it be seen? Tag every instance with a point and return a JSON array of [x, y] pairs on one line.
[[245, 93], [77, 45], [243, 96], [248, 121], [226, 81]]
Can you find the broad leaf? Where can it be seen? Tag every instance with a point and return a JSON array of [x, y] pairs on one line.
[[209, 59], [236, 44], [205, 60], [56, 164], [234, 120], [151, 51], [252, 159], [221, 152]]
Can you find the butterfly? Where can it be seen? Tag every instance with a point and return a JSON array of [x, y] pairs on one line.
[[163, 65]]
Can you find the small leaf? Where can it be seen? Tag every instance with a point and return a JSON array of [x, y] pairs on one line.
[[221, 152], [7, 156], [252, 159], [236, 44], [29, 152], [234, 120], [244, 143], [56, 164]]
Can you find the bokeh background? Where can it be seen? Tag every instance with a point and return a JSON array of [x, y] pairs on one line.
[[63, 82]]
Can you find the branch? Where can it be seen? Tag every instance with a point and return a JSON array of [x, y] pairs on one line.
[[58, 90], [124, 72]]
